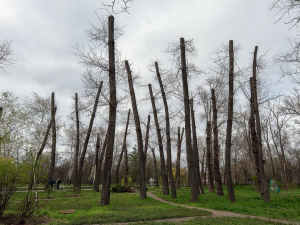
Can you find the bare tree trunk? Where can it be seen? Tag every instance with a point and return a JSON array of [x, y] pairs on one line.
[[38, 155], [169, 152], [75, 172], [126, 167], [195, 148], [155, 167], [260, 173], [53, 147], [99, 174], [105, 193], [218, 178], [266, 137], [96, 186], [87, 138], [179, 141], [123, 149], [139, 136], [231, 194], [264, 187], [208, 159], [160, 144], [192, 167], [147, 138]]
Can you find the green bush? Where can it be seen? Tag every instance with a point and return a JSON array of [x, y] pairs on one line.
[[121, 189]]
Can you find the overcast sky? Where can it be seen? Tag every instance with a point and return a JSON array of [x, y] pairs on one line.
[[45, 32]]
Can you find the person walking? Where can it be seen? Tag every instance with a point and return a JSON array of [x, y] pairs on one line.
[[58, 182]]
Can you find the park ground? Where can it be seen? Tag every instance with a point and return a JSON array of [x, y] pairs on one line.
[[128, 208]]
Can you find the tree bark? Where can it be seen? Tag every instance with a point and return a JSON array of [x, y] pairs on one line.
[[53, 147], [179, 141], [87, 138], [96, 186], [75, 172], [195, 148], [218, 178], [105, 193], [160, 144], [126, 167], [260, 173], [123, 149], [147, 138], [210, 178], [142, 161], [231, 194], [192, 167], [169, 152], [99, 174], [155, 167]]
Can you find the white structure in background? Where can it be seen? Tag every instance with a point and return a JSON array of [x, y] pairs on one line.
[[151, 181]]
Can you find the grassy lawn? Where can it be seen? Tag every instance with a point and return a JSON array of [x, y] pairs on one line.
[[124, 207], [215, 221], [284, 206]]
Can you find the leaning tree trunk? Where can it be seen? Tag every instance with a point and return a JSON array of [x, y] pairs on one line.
[[139, 136], [160, 144], [179, 141], [218, 178], [155, 167], [126, 167], [105, 193], [264, 188], [147, 138], [99, 175], [168, 135], [53, 147], [260, 173], [75, 171], [192, 167], [208, 159], [38, 155], [195, 147], [231, 194], [96, 186], [123, 149], [87, 138]]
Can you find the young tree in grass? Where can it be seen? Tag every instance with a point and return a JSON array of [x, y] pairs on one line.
[[99, 176], [155, 167], [142, 161], [208, 159], [75, 171]]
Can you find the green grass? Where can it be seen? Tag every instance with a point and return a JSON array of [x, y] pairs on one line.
[[214, 221], [284, 206], [124, 207]]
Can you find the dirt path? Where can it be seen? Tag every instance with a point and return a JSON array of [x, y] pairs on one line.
[[216, 213]]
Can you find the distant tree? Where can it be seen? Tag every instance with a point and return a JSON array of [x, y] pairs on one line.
[[6, 53]]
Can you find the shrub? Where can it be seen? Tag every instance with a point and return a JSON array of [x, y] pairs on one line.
[[121, 189]]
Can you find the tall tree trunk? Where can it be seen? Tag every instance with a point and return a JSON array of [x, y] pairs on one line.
[[147, 138], [105, 193], [218, 178], [123, 149], [264, 187], [53, 147], [96, 186], [155, 167], [160, 144], [87, 138], [192, 167], [266, 137], [169, 152], [231, 194], [75, 172], [195, 148], [208, 159], [38, 155], [99, 174], [255, 149], [139, 136], [179, 141], [126, 167]]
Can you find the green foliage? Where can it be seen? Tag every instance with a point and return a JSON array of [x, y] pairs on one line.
[[118, 188]]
